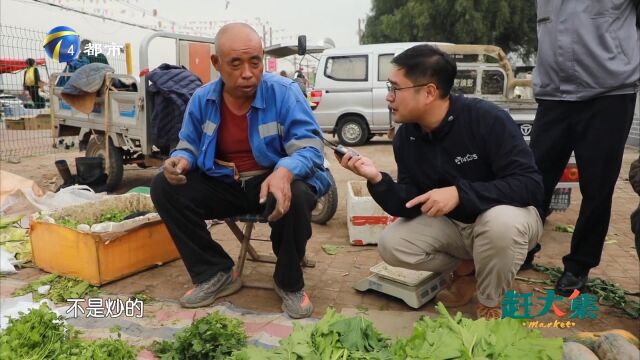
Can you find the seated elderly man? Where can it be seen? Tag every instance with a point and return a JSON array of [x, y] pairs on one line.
[[244, 136]]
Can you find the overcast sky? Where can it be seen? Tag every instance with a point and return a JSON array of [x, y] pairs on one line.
[[336, 19]]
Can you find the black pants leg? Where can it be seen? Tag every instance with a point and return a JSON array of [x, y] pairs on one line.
[[602, 126], [596, 130], [38, 101], [289, 236], [551, 142], [184, 209]]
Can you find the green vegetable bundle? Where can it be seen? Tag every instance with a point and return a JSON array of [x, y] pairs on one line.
[[62, 288], [333, 337], [459, 338], [212, 337], [115, 216], [42, 334]]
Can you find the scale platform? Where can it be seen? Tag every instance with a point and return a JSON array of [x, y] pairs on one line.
[[414, 287]]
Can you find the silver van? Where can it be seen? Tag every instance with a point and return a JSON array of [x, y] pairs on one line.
[[348, 96]]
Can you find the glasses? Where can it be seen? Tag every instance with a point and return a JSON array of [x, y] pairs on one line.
[[391, 89]]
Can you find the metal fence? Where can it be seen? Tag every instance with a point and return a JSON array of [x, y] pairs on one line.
[[25, 124]]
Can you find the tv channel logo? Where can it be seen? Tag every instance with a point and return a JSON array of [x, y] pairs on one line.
[[62, 44]]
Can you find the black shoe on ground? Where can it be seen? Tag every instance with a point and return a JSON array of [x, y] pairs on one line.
[[569, 282], [528, 262]]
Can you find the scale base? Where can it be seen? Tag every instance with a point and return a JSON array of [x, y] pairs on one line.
[[414, 296]]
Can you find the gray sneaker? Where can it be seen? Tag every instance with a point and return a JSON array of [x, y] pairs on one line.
[[295, 303], [204, 294]]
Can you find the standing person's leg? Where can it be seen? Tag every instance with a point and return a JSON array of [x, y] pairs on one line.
[[551, 143], [40, 102], [601, 129], [184, 209], [500, 239], [33, 93]]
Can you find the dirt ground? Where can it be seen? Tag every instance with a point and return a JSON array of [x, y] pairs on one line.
[[331, 281]]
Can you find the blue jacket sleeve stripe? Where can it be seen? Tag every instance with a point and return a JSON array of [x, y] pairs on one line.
[[297, 144], [268, 129], [186, 146]]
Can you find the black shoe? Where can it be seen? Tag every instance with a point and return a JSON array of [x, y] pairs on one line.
[[528, 262], [569, 282]]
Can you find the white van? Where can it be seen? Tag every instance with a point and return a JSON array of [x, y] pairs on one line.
[[348, 95]]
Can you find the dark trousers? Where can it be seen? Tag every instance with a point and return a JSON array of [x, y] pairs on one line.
[[38, 101], [185, 208], [596, 131]]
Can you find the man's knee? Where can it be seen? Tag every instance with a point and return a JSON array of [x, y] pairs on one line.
[[501, 228], [388, 247], [301, 196], [159, 186]]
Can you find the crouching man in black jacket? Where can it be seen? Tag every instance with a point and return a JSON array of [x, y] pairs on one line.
[[468, 191]]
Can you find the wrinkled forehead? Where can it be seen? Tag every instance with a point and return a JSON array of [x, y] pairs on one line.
[[239, 41]]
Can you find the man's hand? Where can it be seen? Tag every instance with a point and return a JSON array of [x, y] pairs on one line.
[[361, 166], [437, 202], [174, 169], [279, 184]]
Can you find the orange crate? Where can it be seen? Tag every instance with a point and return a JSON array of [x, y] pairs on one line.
[[68, 252], [91, 257]]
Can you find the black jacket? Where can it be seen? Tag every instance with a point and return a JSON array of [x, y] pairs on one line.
[[478, 148], [172, 87]]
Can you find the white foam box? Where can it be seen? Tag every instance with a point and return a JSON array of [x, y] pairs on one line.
[[365, 219]]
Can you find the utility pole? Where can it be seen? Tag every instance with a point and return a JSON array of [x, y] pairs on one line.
[[361, 30], [264, 43], [264, 35], [270, 36]]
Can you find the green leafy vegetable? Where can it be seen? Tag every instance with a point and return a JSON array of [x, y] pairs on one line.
[[109, 216], [14, 239], [42, 334], [212, 337], [608, 293], [332, 337], [62, 288], [459, 338], [114, 216], [330, 249], [8, 221]]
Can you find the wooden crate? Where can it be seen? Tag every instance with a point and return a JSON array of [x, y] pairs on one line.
[[101, 256], [68, 252], [40, 122], [14, 124]]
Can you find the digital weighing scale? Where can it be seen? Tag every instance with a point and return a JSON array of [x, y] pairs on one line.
[[414, 287]]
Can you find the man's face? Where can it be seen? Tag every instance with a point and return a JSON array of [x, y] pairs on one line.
[[239, 62], [409, 101]]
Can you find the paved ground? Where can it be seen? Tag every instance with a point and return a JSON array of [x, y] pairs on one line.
[[330, 282]]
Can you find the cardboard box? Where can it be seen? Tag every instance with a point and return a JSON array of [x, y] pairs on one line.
[[40, 122], [100, 257], [14, 124], [365, 219]]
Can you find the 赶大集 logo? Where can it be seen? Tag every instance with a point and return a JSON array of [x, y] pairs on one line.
[[62, 44]]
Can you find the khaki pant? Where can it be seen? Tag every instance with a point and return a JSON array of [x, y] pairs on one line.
[[497, 242]]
